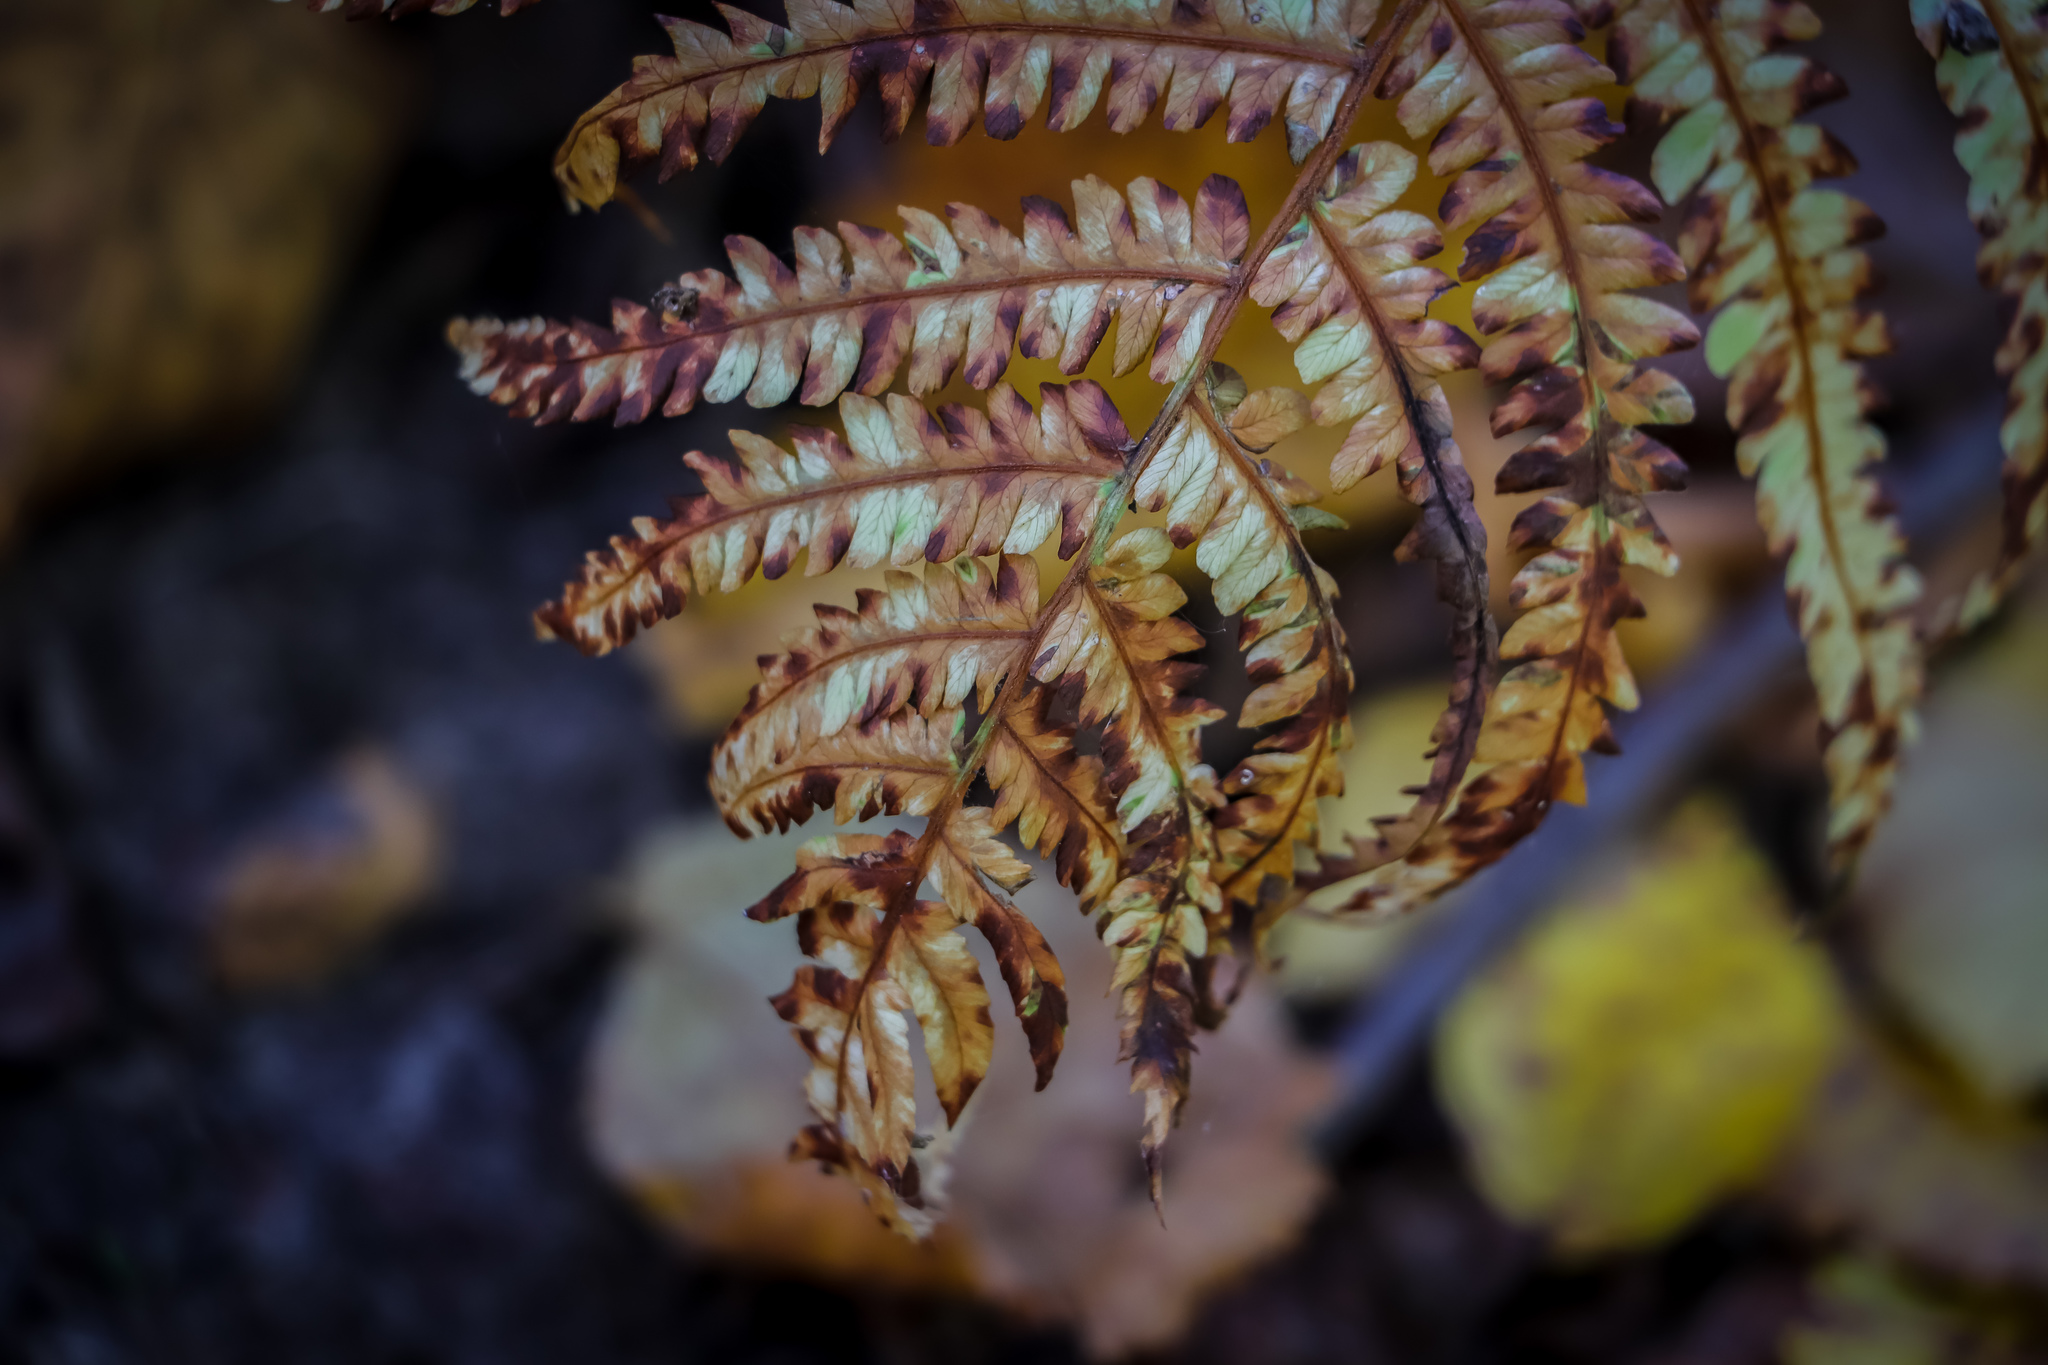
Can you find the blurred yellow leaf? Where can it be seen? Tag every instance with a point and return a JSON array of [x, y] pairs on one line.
[[1643, 1054]]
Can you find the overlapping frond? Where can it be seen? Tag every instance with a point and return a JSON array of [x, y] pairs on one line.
[[1777, 257], [1506, 92], [1112, 648], [951, 295], [1349, 290], [1993, 73], [900, 487], [1000, 58], [1245, 516]]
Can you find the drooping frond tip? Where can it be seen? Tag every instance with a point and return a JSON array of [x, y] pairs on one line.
[[1002, 59], [1777, 257], [1993, 74], [951, 296], [1506, 92]]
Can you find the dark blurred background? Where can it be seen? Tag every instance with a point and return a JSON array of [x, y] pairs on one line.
[[324, 1035]]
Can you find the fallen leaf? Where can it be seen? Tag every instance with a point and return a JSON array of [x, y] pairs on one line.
[[309, 893], [689, 1105], [1640, 1055]]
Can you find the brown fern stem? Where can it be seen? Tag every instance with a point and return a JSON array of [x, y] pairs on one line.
[[1367, 73]]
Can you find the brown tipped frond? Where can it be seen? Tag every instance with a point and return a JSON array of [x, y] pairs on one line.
[[1506, 92], [952, 295], [933, 644], [1776, 256], [900, 487], [881, 957], [1112, 649], [1245, 516], [1993, 73], [1056, 797], [1350, 293], [1001, 58]]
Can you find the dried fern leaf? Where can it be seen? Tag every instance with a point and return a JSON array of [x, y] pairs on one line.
[[927, 645], [1993, 73], [951, 295], [878, 963], [1776, 256], [1503, 87], [1244, 516], [900, 487], [1112, 648], [1350, 292], [1002, 57]]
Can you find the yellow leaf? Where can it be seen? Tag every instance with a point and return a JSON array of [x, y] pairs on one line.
[[1643, 1054]]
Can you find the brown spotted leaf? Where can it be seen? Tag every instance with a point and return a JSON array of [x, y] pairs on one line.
[[1777, 257], [901, 486], [1993, 74], [1507, 94], [1349, 291], [952, 295], [1000, 58], [930, 646]]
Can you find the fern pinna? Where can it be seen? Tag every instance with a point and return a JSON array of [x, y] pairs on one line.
[[1067, 701]]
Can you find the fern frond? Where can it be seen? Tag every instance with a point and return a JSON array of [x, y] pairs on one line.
[[1350, 293], [1055, 796], [927, 645], [1112, 648], [1244, 516], [881, 958], [899, 487], [1002, 57], [949, 295], [1776, 256], [1504, 88], [1993, 74]]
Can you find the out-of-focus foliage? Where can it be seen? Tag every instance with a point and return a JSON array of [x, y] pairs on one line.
[[183, 179], [304, 896], [1904, 1156], [1048, 1211], [1863, 1313], [1642, 1054], [1953, 906], [1924, 1140], [1776, 257]]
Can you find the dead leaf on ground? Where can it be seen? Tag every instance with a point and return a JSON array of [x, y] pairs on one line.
[[303, 897], [689, 1104]]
